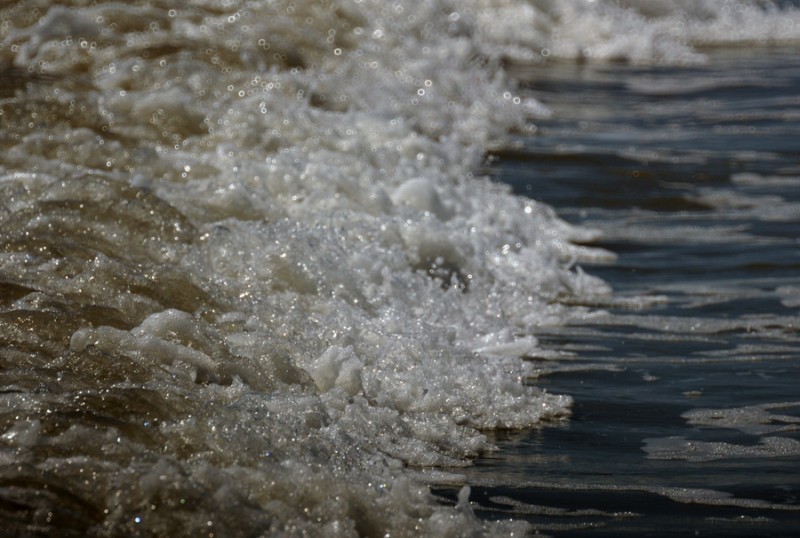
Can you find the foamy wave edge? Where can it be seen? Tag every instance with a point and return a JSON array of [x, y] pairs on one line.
[[368, 303]]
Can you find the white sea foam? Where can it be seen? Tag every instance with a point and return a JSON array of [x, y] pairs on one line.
[[753, 420], [266, 215], [758, 420], [640, 31]]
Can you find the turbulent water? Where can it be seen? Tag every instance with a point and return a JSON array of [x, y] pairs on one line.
[[251, 281]]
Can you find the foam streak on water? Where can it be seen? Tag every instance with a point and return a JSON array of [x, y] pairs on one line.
[[247, 275]]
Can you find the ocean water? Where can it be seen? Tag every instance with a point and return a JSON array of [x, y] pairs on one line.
[[284, 268], [685, 419]]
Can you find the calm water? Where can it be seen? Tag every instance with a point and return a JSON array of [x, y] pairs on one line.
[[689, 420]]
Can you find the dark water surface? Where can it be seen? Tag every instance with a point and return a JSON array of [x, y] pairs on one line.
[[686, 385]]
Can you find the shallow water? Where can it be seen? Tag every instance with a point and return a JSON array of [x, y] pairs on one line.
[[689, 422]]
